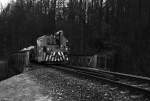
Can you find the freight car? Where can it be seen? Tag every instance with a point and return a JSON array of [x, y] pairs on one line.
[[51, 49]]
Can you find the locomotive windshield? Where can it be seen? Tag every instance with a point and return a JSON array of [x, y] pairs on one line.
[[52, 40]]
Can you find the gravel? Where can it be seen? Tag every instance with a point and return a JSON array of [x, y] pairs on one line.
[[47, 84]]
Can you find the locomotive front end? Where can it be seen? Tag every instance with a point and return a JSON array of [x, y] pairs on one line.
[[52, 49]]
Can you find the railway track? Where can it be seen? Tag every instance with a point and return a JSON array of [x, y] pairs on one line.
[[135, 84], [131, 84]]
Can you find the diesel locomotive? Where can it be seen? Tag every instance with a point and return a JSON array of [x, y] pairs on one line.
[[51, 49]]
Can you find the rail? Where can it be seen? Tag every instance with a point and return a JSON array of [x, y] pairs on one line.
[[137, 84]]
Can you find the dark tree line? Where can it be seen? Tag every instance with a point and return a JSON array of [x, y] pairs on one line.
[[90, 25], [128, 27], [25, 20]]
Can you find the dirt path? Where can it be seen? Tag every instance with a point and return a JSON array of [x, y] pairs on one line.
[[21, 88]]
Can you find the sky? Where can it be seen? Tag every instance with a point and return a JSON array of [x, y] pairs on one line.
[[3, 3]]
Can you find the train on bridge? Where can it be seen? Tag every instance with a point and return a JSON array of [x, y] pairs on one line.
[[54, 49], [51, 49]]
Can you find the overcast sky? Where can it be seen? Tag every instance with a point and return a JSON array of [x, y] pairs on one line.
[[3, 3]]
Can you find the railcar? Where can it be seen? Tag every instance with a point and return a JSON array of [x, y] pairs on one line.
[[52, 49]]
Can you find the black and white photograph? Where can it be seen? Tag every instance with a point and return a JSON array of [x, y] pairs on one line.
[[74, 50]]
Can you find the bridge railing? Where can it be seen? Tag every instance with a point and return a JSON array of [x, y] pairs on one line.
[[80, 60], [18, 60], [100, 60]]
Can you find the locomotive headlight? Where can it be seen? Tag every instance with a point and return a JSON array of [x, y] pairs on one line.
[[66, 48], [48, 49], [67, 58]]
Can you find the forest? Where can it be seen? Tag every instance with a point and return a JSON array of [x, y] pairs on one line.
[[89, 25]]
